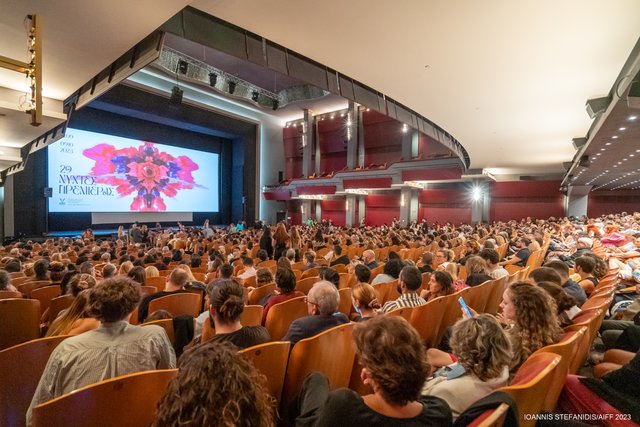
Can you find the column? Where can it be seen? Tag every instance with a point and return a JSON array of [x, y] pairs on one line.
[[577, 200], [405, 206], [480, 202], [360, 137], [305, 209], [350, 135], [319, 210], [361, 209], [350, 205], [307, 142]]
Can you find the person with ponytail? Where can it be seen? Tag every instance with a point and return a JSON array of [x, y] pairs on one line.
[[365, 301], [226, 305]]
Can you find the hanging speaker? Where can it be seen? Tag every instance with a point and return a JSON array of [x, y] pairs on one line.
[[584, 161]]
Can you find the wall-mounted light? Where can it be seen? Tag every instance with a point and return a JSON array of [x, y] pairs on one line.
[[476, 194], [402, 200], [405, 128]]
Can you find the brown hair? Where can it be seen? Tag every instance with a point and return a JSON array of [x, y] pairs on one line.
[[113, 299], [226, 297], [76, 311], [216, 386], [391, 350], [79, 283], [536, 322], [476, 265], [366, 295], [263, 276], [481, 346]]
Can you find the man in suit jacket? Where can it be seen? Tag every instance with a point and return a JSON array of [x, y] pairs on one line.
[[322, 305], [340, 259]]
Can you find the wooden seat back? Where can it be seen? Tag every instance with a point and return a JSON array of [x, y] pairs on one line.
[[331, 352], [281, 315], [270, 359], [251, 315], [404, 312], [259, 293], [20, 320], [45, 295], [427, 318], [159, 282], [567, 348], [529, 386], [451, 315], [27, 287], [345, 301], [312, 272], [476, 296], [147, 290], [10, 294], [495, 295], [129, 400], [21, 367], [305, 284], [166, 324], [186, 303]]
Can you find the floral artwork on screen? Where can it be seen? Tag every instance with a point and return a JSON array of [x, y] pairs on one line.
[[144, 171]]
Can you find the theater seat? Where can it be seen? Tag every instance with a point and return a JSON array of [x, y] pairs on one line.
[[20, 320], [530, 385], [178, 304], [271, 360], [21, 367], [281, 315], [129, 400]]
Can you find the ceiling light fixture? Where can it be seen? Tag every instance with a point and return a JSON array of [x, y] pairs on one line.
[[622, 129]]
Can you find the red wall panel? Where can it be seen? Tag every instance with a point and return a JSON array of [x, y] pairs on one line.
[[611, 202], [332, 162], [444, 205], [382, 208], [316, 189], [431, 174], [442, 215], [367, 183], [521, 199]]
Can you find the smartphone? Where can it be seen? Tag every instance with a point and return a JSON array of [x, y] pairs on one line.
[[465, 307]]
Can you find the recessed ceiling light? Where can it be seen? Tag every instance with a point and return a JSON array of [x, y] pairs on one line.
[[602, 149], [622, 128], [614, 137], [632, 118], [631, 155]]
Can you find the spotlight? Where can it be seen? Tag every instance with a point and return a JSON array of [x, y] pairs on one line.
[[476, 194], [176, 96], [183, 66], [213, 79], [275, 104], [232, 87], [254, 96]]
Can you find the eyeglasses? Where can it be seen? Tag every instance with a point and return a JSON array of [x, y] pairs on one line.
[[308, 301]]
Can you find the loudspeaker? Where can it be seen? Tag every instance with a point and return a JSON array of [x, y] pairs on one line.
[[596, 106], [47, 192], [584, 161], [579, 142]]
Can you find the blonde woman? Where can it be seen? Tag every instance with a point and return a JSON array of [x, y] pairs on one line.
[[125, 268], [151, 271], [75, 320]]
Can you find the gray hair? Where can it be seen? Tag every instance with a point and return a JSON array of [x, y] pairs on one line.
[[326, 297], [291, 254]]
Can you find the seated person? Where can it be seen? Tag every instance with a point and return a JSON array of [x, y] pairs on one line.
[[75, 320], [425, 262], [225, 308], [175, 285], [365, 301], [522, 254], [409, 282], [393, 364], [584, 267], [340, 259], [483, 353], [569, 286], [249, 269], [369, 259], [566, 305], [322, 305], [116, 348], [492, 259], [477, 271], [309, 260], [224, 388], [440, 284], [390, 271], [5, 282], [285, 290]]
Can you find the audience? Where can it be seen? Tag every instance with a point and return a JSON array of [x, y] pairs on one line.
[[175, 285], [409, 282], [285, 290], [365, 301], [115, 348]]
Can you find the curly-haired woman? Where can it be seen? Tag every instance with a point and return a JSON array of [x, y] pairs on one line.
[[483, 352], [216, 386]]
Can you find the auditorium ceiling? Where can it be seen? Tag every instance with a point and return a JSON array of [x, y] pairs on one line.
[[509, 80]]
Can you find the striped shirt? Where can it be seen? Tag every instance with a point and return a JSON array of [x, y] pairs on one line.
[[112, 350], [410, 299]]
